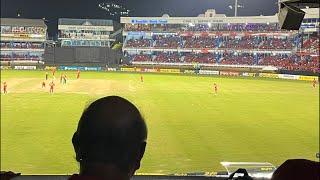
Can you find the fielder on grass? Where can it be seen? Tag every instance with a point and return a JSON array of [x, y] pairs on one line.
[[215, 88], [51, 87]]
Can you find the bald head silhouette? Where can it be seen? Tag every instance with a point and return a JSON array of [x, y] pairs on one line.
[[297, 169], [111, 136]]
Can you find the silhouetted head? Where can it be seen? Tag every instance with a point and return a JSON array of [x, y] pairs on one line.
[[111, 131], [297, 169]]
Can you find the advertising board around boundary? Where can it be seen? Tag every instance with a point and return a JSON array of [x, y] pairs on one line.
[[269, 75], [5, 67], [50, 68], [189, 71], [75, 68], [288, 76], [25, 67], [149, 70], [127, 69], [229, 73], [208, 72], [246, 74], [111, 69], [308, 78], [174, 71]]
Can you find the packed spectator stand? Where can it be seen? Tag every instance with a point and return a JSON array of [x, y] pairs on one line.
[[21, 45], [235, 44]]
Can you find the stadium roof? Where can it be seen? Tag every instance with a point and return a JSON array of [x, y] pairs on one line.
[[210, 16], [23, 22], [85, 22], [311, 13], [213, 18], [198, 20]]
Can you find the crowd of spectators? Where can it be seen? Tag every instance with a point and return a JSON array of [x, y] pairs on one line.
[[207, 58], [22, 45], [274, 43], [312, 44], [172, 42], [285, 62], [22, 30], [170, 57], [202, 27], [81, 34], [240, 43], [17, 57], [292, 62], [137, 27], [140, 57], [232, 59], [139, 43], [201, 42]]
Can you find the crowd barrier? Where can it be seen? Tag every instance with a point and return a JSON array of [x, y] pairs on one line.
[[25, 67], [5, 67], [223, 73], [81, 68], [169, 71]]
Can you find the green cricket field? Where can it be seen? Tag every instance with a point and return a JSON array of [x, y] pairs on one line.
[[190, 128]]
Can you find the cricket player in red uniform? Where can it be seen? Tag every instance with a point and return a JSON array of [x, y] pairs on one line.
[[215, 88], [43, 85], [53, 71], [51, 87], [314, 83], [5, 87], [78, 74], [141, 78]]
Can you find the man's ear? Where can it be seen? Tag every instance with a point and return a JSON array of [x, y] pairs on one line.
[[76, 145], [142, 150], [140, 154]]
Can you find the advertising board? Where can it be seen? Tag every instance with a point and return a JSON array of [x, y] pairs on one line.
[[228, 73], [170, 71], [75, 68], [25, 67], [209, 72]]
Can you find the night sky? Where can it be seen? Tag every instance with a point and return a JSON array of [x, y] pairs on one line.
[[54, 9]]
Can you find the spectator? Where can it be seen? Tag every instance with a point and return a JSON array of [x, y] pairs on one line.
[[298, 169], [4, 175], [110, 140]]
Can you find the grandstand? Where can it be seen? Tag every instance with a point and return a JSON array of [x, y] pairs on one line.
[[22, 40], [88, 32], [212, 38]]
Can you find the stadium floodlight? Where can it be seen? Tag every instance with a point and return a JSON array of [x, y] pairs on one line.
[[236, 6], [114, 9]]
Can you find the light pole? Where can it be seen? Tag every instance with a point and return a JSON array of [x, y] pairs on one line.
[[235, 8]]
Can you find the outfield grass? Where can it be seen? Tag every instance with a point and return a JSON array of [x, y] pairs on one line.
[[190, 129]]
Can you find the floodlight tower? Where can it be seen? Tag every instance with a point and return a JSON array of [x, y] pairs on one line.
[[236, 6]]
